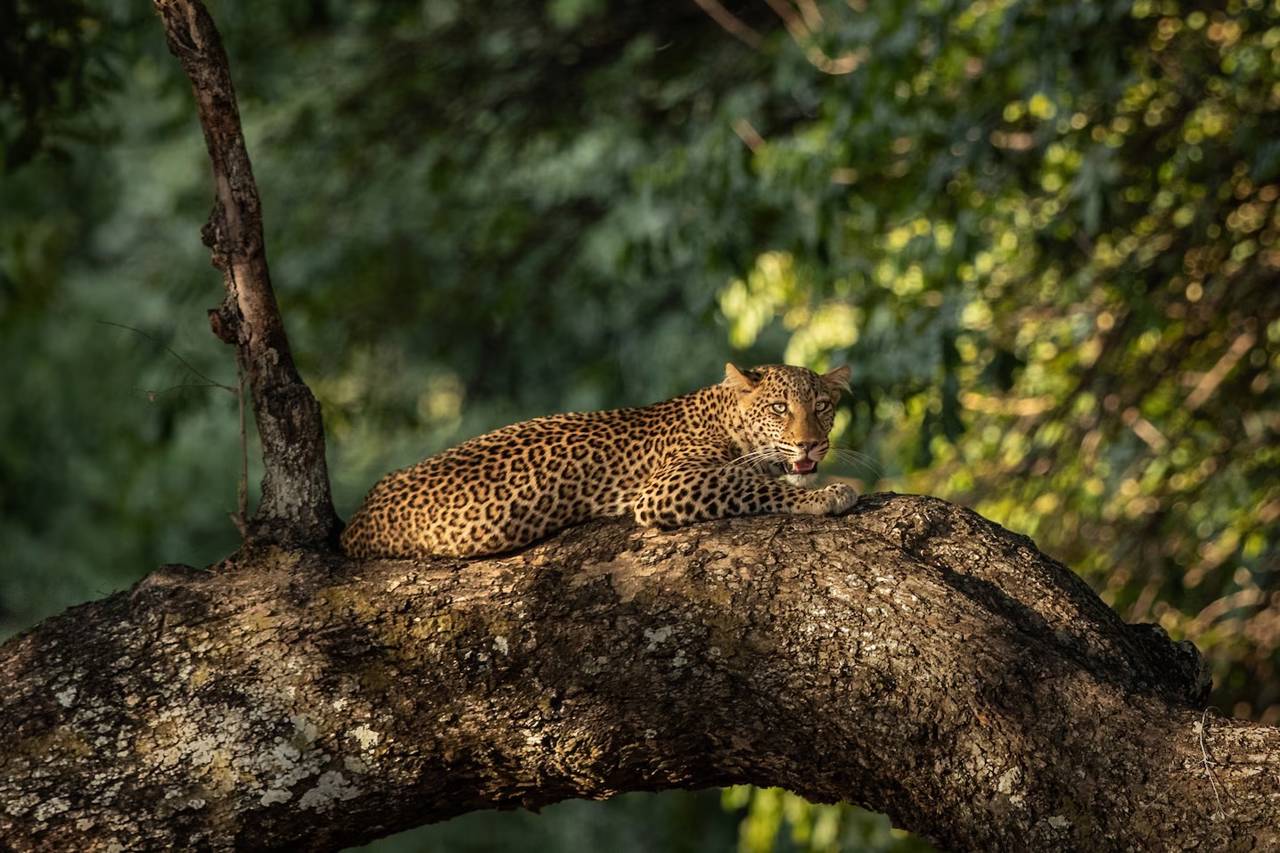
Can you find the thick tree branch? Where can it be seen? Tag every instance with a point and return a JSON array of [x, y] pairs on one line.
[[296, 507], [911, 657]]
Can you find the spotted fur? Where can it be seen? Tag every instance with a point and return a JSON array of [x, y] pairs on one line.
[[748, 445]]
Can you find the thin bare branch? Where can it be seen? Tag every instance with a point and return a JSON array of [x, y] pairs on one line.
[[208, 383], [1209, 383], [802, 29], [730, 23], [747, 132]]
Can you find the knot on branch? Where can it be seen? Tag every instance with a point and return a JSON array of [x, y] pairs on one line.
[[211, 235], [223, 233], [224, 322]]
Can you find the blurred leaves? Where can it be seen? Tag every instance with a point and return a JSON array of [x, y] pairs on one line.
[[777, 820], [54, 60]]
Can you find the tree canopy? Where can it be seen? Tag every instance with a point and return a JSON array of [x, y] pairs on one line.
[[1044, 235]]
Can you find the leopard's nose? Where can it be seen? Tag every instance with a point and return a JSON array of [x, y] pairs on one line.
[[807, 447]]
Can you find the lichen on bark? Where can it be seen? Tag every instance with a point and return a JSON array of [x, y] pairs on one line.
[[911, 657]]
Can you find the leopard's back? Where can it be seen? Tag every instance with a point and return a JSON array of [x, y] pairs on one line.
[[517, 484]]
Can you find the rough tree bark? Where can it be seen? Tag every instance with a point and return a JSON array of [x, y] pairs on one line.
[[296, 508], [911, 657]]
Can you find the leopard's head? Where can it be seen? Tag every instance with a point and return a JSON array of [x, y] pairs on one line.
[[786, 414]]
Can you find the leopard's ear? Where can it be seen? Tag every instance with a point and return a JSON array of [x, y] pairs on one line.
[[837, 380], [743, 381]]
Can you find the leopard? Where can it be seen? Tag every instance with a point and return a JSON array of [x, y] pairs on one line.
[[748, 445]]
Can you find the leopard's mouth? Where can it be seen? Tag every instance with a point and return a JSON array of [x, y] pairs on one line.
[[803, 466]]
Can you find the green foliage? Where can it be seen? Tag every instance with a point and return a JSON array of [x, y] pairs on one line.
[[1043, 233], [630, 823], [52, 62], [777, 820]]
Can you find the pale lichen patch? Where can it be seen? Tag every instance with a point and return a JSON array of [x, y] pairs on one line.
[[275, 795], [284, 755], [66, 696], [49, 808], [305, 729], [1008, 779], [657, 636], [331, 787], [365, 736], [201, 750], [21, 805], [292, 765]]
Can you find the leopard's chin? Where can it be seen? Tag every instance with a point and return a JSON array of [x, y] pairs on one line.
[[804, 480]]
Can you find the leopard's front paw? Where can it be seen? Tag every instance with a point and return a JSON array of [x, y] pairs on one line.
[[837, 498]]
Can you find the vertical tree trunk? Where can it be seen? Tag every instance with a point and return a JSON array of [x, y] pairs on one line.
[[296, 507]]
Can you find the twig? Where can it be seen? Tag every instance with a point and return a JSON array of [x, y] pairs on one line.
[[748, 134], [809, 11], [209, 383], [802, 29], [241, 515], [241, 518], [795, 25], [730, 23], [1204, 753], [1213, 378], [151, 394], [781, 525]]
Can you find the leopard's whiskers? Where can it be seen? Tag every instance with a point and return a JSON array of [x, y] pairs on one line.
[[753, 454], [758, 457], [858, 460]]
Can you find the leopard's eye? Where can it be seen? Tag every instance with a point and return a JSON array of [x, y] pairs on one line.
[[779, 408], [821, 406]]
